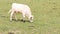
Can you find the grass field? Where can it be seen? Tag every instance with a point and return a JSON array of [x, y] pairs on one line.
[[46, 17]]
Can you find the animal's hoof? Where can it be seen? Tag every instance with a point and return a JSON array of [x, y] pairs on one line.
[[23, 20]]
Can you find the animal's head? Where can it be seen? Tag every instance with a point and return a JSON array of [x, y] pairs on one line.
[[31, 18]]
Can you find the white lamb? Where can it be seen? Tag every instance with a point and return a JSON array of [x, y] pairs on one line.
[[21, 8]]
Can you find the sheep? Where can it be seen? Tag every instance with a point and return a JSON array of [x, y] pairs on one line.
[[21, 8]]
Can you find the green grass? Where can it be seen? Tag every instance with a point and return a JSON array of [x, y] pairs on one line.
[[46, 17]]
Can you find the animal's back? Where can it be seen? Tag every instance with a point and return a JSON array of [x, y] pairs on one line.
[[21, 7]]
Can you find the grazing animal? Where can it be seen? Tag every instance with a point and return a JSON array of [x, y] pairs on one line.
[[21, 8]]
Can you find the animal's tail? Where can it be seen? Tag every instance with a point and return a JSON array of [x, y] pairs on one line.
[[9, 11]]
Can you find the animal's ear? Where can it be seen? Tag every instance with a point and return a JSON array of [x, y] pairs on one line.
[[32, 17]]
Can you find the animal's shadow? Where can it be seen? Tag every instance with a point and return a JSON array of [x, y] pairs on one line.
[[21, 20]]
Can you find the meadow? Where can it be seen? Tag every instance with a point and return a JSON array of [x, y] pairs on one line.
[[46, 17]]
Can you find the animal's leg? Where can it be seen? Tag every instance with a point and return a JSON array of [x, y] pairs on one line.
[[11, 15], [23, 17], [15, 16], [9, 11]]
